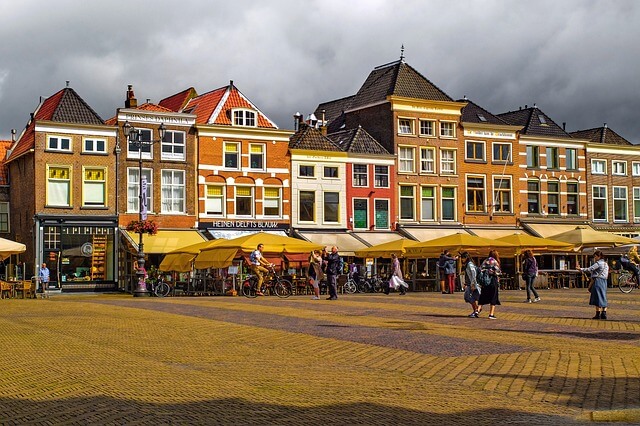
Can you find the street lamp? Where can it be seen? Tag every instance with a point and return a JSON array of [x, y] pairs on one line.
[[134, 136]]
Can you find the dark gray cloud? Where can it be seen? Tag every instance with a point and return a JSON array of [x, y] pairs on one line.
[[577, 60]]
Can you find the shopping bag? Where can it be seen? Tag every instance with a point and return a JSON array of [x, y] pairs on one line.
[[392, 283]]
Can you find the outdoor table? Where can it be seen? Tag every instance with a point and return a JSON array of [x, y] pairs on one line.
[[561, 278]]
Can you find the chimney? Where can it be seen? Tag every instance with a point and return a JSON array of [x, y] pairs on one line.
[[131, 101], [13, 135], [603, 135], [323, 124], [297, 119], [564, 126]]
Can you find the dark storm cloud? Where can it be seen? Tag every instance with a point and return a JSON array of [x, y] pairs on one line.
[[577, 60]]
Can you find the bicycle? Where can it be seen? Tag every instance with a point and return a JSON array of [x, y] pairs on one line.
[[350, 286], [274, 284], [159, 287], [371, 285], [627, 278]]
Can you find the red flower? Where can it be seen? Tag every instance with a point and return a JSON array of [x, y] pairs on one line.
[[143, 227]]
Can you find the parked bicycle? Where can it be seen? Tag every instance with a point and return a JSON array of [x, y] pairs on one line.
[[350, 286], [375, 284], [274, 284], [159, 287], [627, 276]]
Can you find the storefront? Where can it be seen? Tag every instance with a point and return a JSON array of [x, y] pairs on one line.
[[80, 252]]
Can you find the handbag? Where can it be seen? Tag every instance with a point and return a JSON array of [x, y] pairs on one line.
[[392, 283]]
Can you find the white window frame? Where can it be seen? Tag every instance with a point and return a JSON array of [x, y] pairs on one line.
[[448, 129], [93, 149], [426, 199], [406, 157], [313, 171], [86, 182], [474, 143], [377, 174], [58, 140], [359, 176], [143, 148], [133, 200], [618, 198], [252, 202], [52, 181], [262, 155], [598, 166], [406, 126], [509, 158], [445, 162], [210, 199], [425, 162], [169, 142], [313, 207], [432, 133], [327, 168], [237, 153], [483, 205], [635, 168], [268, 201], [606, 202], [495, 180], [172, 186], [375, 213], [413, 203], [618, 168], [353, 202], [242, 117]]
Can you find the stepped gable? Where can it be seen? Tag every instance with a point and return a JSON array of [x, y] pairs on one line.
[[178, 101], [357, 141], [64, 106], [534, 122], [601, 135], [473, 113], [311, 138], [215, 107]]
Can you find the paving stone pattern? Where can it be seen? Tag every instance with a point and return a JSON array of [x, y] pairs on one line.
[[363, 360]]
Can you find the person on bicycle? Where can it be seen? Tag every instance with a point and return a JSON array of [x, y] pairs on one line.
[[634, 258], [258, 266]]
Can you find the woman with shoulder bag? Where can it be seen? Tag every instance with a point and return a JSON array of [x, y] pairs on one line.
[[598, 287], [529, 273], [490, 293], [471, 287]]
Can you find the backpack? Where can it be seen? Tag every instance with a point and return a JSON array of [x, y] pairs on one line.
[[482, 277]]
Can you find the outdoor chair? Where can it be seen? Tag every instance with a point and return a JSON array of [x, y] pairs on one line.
[[5, 290]]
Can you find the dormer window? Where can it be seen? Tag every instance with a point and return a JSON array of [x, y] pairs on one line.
[[244, 117]]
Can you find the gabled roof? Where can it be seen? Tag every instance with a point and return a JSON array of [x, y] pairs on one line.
[[473, 113], [601, 135], [534, 122], [308, 137], [178, 101], [147, 106], [64, 106], [215, 107], [333, 109], [357, 141], [4, 172]]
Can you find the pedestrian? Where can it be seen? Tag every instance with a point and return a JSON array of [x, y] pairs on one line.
[[529, 274], [448, 277], [471, 287], [396, 276], [489, 295], [598, 285], [44, 276], [332, 271], [315, 273], [258, 263]]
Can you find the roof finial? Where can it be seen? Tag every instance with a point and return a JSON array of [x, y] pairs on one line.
[[402, 53], [67, 83]]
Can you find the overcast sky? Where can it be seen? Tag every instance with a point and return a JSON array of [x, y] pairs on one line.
[[577, 60]]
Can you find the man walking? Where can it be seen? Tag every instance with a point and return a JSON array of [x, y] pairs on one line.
[[333, 270], [44, 277]]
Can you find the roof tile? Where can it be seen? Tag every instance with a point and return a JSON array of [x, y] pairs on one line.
[[534, 122], [603, 135]]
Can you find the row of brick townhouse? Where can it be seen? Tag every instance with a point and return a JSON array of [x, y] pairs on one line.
[[398, 158]]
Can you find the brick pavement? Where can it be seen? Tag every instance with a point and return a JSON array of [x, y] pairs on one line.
[[364, 359]]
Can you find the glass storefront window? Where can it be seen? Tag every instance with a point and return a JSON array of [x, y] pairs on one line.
[[86, 254]]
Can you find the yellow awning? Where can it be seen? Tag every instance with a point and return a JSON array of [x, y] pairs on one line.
[[492, 233], [429, 233], [165, 241], [347, 244], [546, 230], [374, 238]]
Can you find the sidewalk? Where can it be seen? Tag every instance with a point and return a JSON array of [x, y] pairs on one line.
[[363, 359]]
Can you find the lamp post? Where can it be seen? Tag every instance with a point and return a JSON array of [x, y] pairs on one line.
[[134, 136]]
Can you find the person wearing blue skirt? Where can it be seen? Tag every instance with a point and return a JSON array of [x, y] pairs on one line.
[[599, 274]]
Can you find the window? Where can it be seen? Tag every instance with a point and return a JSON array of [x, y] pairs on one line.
[[447, 129], [330, 172], [173, 146], [232, 155], [405, 159], [307, 208], [533, 156], [214, 200], [475, 194], [243, 117], [501, 152], [447, 161], [405, 126], [94, 187], [407, 203], [244, 201], [98, 146], [59, 186], [552, 158], [620, 207], [636, 204], [381, 213], [172, 191], [572, 198], [619, 168], [448, 203], [553, 198], [4, 217], [133, 189], [427, 128], [271, 201], [58, 143], [475, 151], [331, 206], [360, 213], [428, 203], [502, 195], [599, 202], [571, 159], [140, 148], [381, 177], [360, 175], [635, 168], [307, 171], [427, 160], [256, 156], [598, 167], [533, 196]]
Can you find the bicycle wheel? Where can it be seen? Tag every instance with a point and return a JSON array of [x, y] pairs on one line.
[[162, 289], [626, 282], [249, 289], [283, 288], [350, 287]]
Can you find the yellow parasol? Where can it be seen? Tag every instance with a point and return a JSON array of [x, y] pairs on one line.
[[458, 242], [398, 247]]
